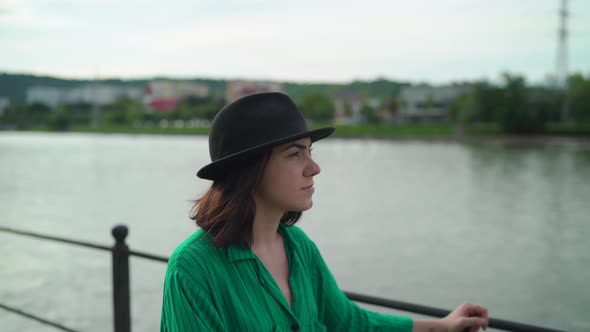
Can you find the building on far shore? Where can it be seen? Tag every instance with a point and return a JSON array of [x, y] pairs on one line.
[[159, 95], [425, 103], [96, 94], [164, 95], [236, 89], [4, 103], [347, 106]]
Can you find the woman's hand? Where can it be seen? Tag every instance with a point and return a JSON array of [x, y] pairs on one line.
[[467, 316]]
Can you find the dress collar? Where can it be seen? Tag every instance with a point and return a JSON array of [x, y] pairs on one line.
[[239, 252]]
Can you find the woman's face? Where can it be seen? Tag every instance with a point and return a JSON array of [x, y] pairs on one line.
[[287, 183]]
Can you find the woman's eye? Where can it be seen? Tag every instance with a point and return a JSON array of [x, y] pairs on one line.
[[294, 154]]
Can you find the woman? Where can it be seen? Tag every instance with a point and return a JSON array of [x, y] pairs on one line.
[[248, 268]]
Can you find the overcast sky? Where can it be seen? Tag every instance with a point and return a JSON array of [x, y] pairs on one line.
[[305, 40]]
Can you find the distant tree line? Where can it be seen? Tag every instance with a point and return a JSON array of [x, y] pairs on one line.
[[518, 108], [14, 86], [125, 112], [122, 112], [512, 105]]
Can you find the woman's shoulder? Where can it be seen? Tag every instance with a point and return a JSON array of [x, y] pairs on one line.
[[195, 255], [300, 239], [296, 233]]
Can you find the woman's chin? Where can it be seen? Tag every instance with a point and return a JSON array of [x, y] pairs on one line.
[[307, 206], [302, 207]]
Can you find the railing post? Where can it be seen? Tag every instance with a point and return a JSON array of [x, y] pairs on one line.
[[121, 298]]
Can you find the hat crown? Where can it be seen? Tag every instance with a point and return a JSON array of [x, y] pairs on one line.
[[252, 121]]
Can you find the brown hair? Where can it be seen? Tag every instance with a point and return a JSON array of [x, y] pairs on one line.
[[227, 209]]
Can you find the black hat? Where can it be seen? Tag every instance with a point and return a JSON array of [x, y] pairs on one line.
[[253, 124]]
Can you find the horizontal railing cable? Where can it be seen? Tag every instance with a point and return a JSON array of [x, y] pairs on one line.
[[37, 318], [148, 256], [82, 243], [436, 312], [372, 300], [55, 238]]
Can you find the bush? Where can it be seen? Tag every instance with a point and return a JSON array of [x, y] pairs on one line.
[[59, 121]]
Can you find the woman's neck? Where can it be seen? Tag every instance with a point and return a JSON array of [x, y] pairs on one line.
[[264, 229]]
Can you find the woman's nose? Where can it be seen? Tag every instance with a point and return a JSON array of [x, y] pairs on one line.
[[312, 169]]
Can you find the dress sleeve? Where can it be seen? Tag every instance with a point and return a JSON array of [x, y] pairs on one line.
[[339, 313], [187, 306]]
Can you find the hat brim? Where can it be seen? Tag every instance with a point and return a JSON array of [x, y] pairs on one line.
[[219, 167]]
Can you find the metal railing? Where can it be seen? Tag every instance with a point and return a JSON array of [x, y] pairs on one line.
[[122, 298]]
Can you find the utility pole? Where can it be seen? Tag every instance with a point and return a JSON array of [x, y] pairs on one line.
[[562, 56]]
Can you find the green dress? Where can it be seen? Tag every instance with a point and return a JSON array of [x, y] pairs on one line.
[[212, 289]]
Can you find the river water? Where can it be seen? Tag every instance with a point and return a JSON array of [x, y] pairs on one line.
[[502, 224]]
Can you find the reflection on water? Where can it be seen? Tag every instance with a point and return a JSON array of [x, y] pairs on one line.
[[543, 191], [501, 224]]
